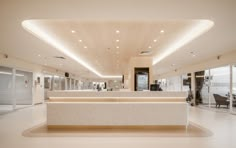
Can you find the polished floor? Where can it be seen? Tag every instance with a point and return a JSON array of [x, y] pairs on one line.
[[12, 125]]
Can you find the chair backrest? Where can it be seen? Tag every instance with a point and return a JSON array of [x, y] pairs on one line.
[[217, 97], [220, 99]]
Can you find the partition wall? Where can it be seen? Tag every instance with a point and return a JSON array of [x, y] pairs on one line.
[[15, 89]]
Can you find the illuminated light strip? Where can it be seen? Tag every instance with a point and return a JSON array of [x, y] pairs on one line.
[[194, 32], [8, 73], [38, 32]]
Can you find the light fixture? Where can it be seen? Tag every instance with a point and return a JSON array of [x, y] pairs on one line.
[[149, 47], [85, 47], [154, 40], [117, 40], [36, 30], [117, 47], [117, 31], [200, 27], [39, 55], [162, 31], [80, 41], [72, 31]]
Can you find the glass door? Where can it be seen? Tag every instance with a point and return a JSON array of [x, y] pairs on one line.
[[142, 82]]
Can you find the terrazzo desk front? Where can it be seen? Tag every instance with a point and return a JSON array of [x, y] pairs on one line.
[[69, 109]]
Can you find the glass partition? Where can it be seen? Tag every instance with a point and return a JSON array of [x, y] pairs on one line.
[[48, 80], [234, 88], [220, 87], [72, 84], [63, 85], [68, 83], [56, 82], [23, 88], [163, 84], [76, 84], [174, 83], [186, 82], [6, 100], [15, 89]]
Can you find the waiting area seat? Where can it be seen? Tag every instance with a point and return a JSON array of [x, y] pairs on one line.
[[221, 100]]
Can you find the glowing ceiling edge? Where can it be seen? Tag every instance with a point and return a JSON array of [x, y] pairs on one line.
[[38, 32], [201, 27]]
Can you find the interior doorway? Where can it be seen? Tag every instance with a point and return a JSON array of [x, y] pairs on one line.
[[141, 79]]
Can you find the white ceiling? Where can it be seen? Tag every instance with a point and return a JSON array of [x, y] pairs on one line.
[[95, 24]]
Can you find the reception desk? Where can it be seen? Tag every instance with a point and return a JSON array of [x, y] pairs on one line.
[[73, 108]]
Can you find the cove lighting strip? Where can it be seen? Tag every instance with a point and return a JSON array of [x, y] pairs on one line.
[[38, 32], [8, 73], [201, 27]]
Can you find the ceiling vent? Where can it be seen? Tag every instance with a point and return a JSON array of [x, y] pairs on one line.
[[145, 52], [58, 57]]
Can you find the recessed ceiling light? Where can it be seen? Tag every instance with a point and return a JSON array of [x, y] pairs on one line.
[[117, 40], [117, 31], [80, 41], [117, 47], [154, 40], [85, 47], [72, 31], [39, 55], [149, 47], [162, 31]]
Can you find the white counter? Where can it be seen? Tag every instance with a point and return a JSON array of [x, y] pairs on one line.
[[116, 94], [117, 109]]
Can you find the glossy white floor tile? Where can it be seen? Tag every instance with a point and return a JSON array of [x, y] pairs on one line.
[[223, 126]]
